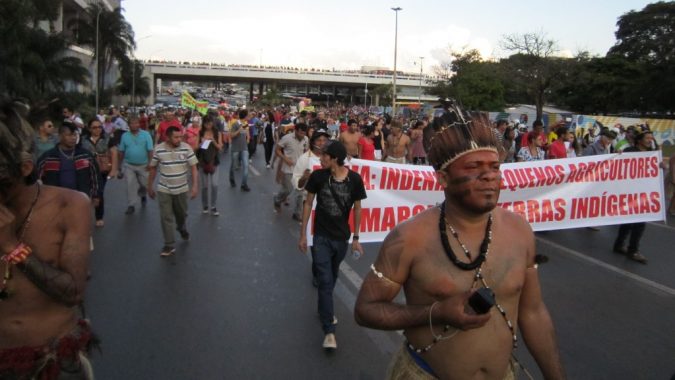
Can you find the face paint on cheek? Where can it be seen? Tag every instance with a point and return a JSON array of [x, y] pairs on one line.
[[460, 180]]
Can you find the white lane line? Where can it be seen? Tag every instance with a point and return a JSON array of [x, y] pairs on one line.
[[611, 268], [253, 170]]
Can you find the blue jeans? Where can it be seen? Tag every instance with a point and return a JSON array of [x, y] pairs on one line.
[[327, 255], [243, 160]]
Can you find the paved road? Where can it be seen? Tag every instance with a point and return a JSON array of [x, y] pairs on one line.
[[236, 301]]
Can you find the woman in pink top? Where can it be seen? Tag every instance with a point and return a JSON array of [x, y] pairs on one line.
[[366, 145]]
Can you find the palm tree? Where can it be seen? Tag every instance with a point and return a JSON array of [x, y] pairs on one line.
[[115, 37], [33, 63], [126, 85]]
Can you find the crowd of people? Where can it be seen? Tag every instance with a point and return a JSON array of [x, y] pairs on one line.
[[172, 154]]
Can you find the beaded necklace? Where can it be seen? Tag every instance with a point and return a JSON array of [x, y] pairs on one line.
[[477, 264], [21, 231]]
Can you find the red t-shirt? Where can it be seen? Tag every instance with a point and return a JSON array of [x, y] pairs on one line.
[[143, 122], [367, 149], [164, 125], [557, 150]]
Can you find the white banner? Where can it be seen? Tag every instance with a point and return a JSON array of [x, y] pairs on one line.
[[550, 195]]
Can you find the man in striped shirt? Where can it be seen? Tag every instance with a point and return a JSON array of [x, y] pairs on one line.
[[173, 158]]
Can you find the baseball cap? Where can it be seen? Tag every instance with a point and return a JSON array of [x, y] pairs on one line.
[[318, 133], [336, 150]]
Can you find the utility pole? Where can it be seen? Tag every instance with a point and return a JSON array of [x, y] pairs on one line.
[[393, 103], [419, 97]]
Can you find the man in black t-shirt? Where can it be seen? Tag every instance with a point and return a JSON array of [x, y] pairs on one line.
[[337, 190]]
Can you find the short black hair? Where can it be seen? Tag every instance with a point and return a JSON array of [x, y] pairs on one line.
[[537, 123], [171, 130], [243, 114], [67, 126], [501, 122]]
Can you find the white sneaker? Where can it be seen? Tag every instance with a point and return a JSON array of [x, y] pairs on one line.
[[268, 166], [329, 342]]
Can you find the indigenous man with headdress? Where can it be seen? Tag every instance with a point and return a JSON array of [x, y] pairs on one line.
[[44, 243], [445, 257]]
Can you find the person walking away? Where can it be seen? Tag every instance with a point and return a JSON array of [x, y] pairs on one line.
[[239, 137], [99, 144], [210, 145], [172, 159], [338, 190], [289, 149], [135, 152]]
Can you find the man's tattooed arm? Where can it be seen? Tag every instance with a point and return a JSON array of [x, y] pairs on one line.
[[58, 284]]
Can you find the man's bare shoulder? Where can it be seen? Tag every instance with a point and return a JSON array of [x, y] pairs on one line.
[[512, 220], [415, 231], [70, 201]]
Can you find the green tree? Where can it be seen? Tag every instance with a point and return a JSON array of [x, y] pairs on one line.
[[475, 83], [384, 92], [115, 38], [131, 80], [271, 98], [533, 66], [647, 37], [597, 85], [33, 63]]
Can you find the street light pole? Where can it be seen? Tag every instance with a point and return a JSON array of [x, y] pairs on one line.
[[393, 103], [419, 97], [365, 97], [98, 60], [133, 75]]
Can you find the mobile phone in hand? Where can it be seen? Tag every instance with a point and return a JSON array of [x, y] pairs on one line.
[[482, 300]]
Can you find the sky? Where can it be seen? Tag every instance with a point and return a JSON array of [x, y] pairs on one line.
[[349, 34]]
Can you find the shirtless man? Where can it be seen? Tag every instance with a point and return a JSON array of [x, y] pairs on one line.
[[350, 138], [44, 263], [397, 144], [446, 339]]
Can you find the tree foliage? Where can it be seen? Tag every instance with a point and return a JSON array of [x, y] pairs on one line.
[[33, 62], [647, 35], [115, 37], [384, 91], [131, 80], [533, 66]]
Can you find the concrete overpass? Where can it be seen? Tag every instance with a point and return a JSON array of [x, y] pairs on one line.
[[345, 84]]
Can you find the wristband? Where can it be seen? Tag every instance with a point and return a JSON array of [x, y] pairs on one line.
[[18, 255], [355, 237]]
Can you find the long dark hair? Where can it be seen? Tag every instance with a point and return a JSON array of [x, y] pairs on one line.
[[209, 120]]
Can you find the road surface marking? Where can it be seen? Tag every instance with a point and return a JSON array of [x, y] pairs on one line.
[[611, 268], [253, 170]]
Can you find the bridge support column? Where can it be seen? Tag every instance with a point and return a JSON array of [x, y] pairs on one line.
[[250, 93]]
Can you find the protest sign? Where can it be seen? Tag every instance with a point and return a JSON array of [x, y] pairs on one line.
[[550, 195]]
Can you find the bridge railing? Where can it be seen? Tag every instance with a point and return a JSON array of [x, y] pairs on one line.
[[351, 74]]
